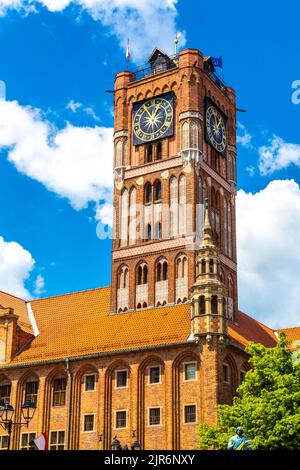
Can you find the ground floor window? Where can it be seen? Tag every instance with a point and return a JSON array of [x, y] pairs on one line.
[[3, 442], [57, 440], [190, 414], [26, 438]]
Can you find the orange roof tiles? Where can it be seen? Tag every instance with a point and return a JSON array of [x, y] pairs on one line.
[[79, 324], [249, 329], [293, 335]]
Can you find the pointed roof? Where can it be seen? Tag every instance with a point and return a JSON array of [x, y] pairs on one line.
[[157, 53], [207, 230]]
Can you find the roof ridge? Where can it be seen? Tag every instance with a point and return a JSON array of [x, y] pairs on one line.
[[288, 328], [257, 321], [12, 295], [69, 293]]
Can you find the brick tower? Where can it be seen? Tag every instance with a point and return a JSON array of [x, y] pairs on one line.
[[174, 147]]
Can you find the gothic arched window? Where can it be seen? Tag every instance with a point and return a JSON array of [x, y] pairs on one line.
[[182, 205], [202, 305], [214, 304], [119, 154], [148, 193], [149, 232], [173, 206], [149, 153], [124, 218], [159, 151], [132, 216], [158, 231], [157, 191], [185, 136]]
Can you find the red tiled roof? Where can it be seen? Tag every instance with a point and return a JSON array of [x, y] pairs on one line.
[[293, 335], [249, 329], [79, 324]]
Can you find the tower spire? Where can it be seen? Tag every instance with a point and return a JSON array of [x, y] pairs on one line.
[[207, 230]]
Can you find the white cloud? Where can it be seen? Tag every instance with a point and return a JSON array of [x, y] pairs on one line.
[[243, 137], [16, 264], [104, 214], [141, 19], [268, 231], [250, 170], [73, 105], [39, 285], [278, 155], [75, 162]]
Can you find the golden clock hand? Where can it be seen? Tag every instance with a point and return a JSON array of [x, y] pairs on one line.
[[155, 112], [146, 109]]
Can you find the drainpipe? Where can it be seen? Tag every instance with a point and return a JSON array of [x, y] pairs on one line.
[[70, 371]]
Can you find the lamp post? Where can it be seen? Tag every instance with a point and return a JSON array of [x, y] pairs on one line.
[[116, 445], [6, 417]]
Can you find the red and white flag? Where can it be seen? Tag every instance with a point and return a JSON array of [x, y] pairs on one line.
[[127, 51], [41, 442]]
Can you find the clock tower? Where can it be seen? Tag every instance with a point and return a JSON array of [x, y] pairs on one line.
[[174, 149]]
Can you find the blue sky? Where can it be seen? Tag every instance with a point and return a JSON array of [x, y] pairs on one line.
[[59, 61]]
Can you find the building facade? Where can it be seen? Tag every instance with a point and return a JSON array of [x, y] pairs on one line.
[[149, 358]]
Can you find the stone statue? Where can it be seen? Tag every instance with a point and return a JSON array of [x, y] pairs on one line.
[[239, 441]]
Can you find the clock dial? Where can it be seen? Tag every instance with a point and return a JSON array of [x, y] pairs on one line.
[[153, 119], [216, 128]]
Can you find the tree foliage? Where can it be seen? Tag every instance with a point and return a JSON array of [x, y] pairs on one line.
[[267, 404]]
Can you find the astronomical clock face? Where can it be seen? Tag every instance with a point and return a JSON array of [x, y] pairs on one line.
[[215, 128], [153, 119]]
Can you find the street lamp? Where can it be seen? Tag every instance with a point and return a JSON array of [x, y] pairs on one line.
[[116, 445], [6, 417], [135, 446], [28, 410]]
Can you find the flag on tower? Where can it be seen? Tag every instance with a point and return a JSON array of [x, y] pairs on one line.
[[217, 62], [128, 51]]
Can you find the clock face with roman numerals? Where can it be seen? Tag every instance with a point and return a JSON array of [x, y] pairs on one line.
[[215, 128], [153, 119]]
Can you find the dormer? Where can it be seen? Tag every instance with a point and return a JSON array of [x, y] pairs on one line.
[[160, 61], [12, 336]]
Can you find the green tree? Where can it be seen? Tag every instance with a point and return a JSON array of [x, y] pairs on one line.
[[267, 404]]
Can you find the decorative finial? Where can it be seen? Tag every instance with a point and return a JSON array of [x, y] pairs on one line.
[[207, 231], [176, 41]]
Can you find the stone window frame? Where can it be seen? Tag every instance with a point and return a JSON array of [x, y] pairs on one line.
[[3, 437], [30, 435], [88, 374], [115, 420], [57, 443], [116, 379], [184, 364], [153, 407], [196, 413], [83, 423], [160, 374]]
